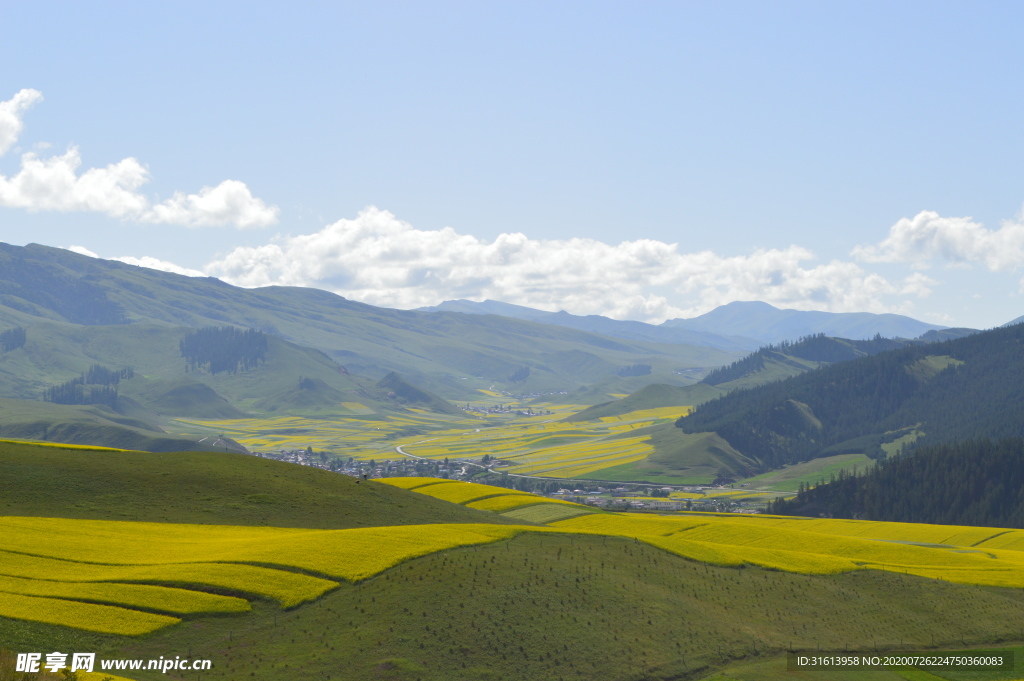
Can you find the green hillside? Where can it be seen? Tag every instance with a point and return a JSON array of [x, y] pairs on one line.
[[85, 425], [205, 488], [938, 392], [401, 392], [650, 397], [447, 353], [977, 482], [681, 459]]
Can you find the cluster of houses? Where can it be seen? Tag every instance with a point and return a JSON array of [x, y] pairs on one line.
[[505, 409]]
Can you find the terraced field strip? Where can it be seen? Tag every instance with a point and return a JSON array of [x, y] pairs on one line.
[[412, 483], [769, 542], [509, 501], [578, 459], [685, 495], [287, 588], [352, 555], [165, 599], [59, 445], [361, 438], [105, 619], [480, 497], [547, 513], [460, 492], [645, 414]]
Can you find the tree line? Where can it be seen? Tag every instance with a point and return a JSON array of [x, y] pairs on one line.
[[94, 386], [224, 348], [975, 482], [814, 348], [634, 370], [12, 339]]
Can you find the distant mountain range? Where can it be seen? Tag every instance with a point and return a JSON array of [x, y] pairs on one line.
[[735, 326], [450, 354], [597, 324], [769, 324]]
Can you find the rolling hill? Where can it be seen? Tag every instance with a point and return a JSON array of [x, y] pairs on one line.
[[448, 353], [611, 596]]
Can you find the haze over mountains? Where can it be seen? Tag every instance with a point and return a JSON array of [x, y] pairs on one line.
[[735, 326]]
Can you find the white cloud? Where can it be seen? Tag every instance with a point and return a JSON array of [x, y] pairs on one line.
[[928, 236], [230, 202], [10, 116], [55, 184], [157, 264], [381, 260], [82, 250], [917, 284]]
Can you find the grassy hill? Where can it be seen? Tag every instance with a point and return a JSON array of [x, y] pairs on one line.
[[400, 391], [55, 352], [85, 425], [434, 350], [205, 488], [681, 459]]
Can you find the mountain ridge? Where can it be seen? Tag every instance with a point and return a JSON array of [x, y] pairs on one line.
[[769, 324]]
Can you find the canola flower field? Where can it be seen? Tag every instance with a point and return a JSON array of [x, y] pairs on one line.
[[533, 445], [132, 578]]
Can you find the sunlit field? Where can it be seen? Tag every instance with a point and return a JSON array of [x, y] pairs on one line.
[[133, 578], [540, 445]]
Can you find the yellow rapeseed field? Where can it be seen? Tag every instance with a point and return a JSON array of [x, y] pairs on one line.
[[287, 588], [347, 554], [411, 483], [165, 599], [61, 445], [806, 546], [510, 501], [105, 619], [460, 492]]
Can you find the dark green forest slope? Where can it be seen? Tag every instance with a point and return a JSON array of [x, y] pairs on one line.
[[954, 390], [978, 482]]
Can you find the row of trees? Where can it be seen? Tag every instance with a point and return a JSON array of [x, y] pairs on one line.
[[94, 386], [224, 348], [977, 482], [520, 374], [634, 370], [12, 339]]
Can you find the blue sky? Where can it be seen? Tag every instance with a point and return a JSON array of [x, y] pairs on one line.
[[642, 160]]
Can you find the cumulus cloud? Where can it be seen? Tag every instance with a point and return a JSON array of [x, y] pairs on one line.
[[56, 183], [928, 236], [379, 259], [11, 112]]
